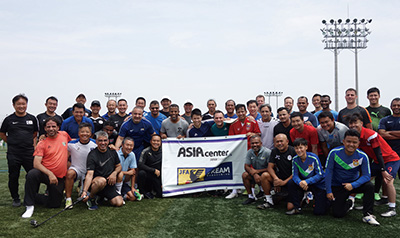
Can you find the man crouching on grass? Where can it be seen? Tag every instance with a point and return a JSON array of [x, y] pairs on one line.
[[347, 172], [307, 176], [103, 166]]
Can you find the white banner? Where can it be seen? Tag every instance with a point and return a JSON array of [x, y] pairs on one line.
[[202, 164]]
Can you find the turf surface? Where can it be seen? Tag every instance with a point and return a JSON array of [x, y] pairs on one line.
[[184, 216]]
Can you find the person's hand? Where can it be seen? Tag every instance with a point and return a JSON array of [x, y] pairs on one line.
[[157, 172], [308, 123], [330, 196], [112, 179], [257, 178], [278, 182], [42, 137], [304, 185], [386, 176], [53, 179], [112, 147], [85, 196], [277, 189], [348, 186]]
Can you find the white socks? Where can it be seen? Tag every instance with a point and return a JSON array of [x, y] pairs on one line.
[[29, 212], [119, 187]]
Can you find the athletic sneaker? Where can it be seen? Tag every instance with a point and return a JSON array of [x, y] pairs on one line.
[[265, 205], [260, 194], [359, 207], [359, 195], [371, 219], [248, 201], [294, 211], [91, 203], [68, 203], [390, 213], [232, 195], [377, 197], [16, 202], [138, 195], [351, 204], [382, 201]]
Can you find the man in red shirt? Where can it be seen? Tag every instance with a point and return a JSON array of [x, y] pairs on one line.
[[301, 130], [243, 126], [386, 162], [49, 167]]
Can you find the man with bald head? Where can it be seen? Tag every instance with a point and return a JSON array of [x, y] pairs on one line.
[[279, 170], [111, 106]]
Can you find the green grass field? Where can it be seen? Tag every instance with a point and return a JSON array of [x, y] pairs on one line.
[[182, 217]]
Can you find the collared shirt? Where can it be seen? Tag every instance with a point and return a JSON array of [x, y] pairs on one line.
[[333, 139], [259, 161]]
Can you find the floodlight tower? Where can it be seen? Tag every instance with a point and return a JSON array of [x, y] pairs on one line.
[[338, 35], [112, 95], [273, 94]]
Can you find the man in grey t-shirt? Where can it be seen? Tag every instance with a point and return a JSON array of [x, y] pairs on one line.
[[330, 132], [173, 126]]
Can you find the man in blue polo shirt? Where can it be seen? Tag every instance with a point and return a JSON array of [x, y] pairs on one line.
[[138, 129], [71, 124], [155, 117]]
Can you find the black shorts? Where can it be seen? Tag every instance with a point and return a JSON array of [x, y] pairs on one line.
[[109, 192], [252, 181]]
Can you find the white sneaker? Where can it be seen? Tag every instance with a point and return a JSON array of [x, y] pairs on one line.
[[371, 219], [389, 213], [29, 212], [232, 195]]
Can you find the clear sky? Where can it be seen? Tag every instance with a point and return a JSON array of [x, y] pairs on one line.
[[188, 50]]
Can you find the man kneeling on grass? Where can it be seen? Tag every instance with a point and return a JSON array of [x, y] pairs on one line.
[[128, 172], [343, 177], [49, 167], [103, 167], [307, 176], [256, 164]]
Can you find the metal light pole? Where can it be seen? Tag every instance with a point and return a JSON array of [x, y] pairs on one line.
[[112, 95], [273, 94], [340, 35]]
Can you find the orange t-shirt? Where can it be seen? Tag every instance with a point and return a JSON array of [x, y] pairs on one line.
[[55, 153]]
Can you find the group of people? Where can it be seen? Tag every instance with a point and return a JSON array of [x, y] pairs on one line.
[[323, 155]]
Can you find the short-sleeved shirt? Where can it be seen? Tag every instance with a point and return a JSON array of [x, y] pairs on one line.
[[334, 113], [232, 117], [19, 131], [308, 116], [391, 123], [280, 128], [239, 128], [377, 113], [345, 113], [267, 132], [140, 133], [79, 153], [98, 123], [174, 129], [72, 127], [223, 131], [259, 161], [370, 139], [187, 118], [156, 121], [54, 153], [42, 118], [203, 131], [309, 133], [127, 163], [333, 139], [258, 117], [118, 120], [102, 163], [283, 162]]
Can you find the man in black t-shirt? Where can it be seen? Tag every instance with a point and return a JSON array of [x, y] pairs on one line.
[[51, 106], [279, 170], [351, 108], [103, 166], [150, 168], [19, 130], [285, 124], [119, 118]]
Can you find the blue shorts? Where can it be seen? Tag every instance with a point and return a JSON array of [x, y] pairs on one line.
[[391, 167]]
